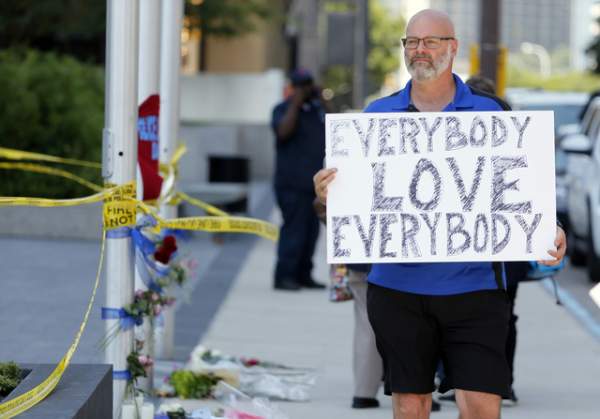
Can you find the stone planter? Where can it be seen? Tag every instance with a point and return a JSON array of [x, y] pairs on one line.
[[84, 392]]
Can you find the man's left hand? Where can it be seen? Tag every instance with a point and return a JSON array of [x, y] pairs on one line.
[[561, 247]]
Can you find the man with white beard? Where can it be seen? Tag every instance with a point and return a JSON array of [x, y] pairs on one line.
[[425, 312]]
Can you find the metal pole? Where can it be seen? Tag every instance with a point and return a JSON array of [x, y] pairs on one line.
[[148, 86], [361, 51], [119, 167], [170, 63], [489, 37]]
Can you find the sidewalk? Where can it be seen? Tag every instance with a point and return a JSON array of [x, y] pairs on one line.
[[558, 363]]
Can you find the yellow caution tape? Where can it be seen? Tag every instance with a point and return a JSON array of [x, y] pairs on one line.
[[172, 165], [222, 224], [119, 207], [12, 154], [46, 202], [38, 168], [180, 196], [178, 154], [170, 172], [20, 404]]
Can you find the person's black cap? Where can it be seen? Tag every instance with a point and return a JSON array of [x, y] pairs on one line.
[[301, 76]]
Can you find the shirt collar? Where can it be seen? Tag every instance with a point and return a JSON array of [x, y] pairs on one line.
[[463, 98]]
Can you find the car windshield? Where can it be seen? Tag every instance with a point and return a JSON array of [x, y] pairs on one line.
[[563, 114]]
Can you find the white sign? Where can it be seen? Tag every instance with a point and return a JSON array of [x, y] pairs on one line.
[[440, 187]]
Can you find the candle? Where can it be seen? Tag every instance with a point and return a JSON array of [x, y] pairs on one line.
[[147, 411], [128, 411]]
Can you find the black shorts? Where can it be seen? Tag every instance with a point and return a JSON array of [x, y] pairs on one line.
[[467, 332]]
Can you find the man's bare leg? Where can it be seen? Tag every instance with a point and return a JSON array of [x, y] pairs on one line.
[[411, 406], [477, 405]]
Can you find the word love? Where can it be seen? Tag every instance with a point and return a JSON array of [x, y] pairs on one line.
[[387, 136], [500, 165]]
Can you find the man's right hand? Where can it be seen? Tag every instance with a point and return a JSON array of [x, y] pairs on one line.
[[298, 97], [321, 182]]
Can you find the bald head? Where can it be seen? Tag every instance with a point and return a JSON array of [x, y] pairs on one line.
[[433, 59], [430, 22]]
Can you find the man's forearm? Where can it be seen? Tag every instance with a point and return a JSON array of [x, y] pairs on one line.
[[288, 123]]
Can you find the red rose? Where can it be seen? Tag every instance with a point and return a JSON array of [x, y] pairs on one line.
[[166, 249], [169, 242], [162, 256]]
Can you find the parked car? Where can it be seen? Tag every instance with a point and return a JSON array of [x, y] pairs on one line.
[[567, 107], [583, 201]]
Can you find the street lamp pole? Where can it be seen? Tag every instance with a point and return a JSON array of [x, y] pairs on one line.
[[361, 51], [489, 37], [170, 68], [119, 167], [148, 85]]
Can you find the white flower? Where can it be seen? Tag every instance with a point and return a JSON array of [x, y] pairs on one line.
[[198, 351], [169, 407]]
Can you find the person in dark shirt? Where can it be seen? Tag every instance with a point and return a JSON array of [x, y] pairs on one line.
[[299, 127]]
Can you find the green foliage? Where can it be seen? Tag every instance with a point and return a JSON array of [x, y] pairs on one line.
[[10, 376], [226, 18], [593, 50], [76, 27], [53, 105], [191, 385], [574, 81], [385, 32]]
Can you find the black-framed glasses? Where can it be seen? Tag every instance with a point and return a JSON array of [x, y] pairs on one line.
[[430, 42]]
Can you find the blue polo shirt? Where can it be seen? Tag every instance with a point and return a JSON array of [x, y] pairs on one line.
[[301, 155], [443, 278]]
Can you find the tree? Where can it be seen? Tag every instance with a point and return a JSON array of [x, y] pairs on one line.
[[593, 49], [78, 27], [74, 27], [385, 31]]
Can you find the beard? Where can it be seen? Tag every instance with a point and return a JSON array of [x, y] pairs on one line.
[[422, 71]]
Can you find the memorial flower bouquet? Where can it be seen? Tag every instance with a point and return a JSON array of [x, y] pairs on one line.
[[165, 249], [147, 304], [138, 365], [181, 268]]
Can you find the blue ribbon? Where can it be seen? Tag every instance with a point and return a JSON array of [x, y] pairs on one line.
[[142, 242], [141, 263], [126, 321], [146, 221], [122, 375], [118, 233]]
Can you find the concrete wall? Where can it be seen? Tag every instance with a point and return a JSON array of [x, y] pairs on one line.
[[231, 98], [254, 141]]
